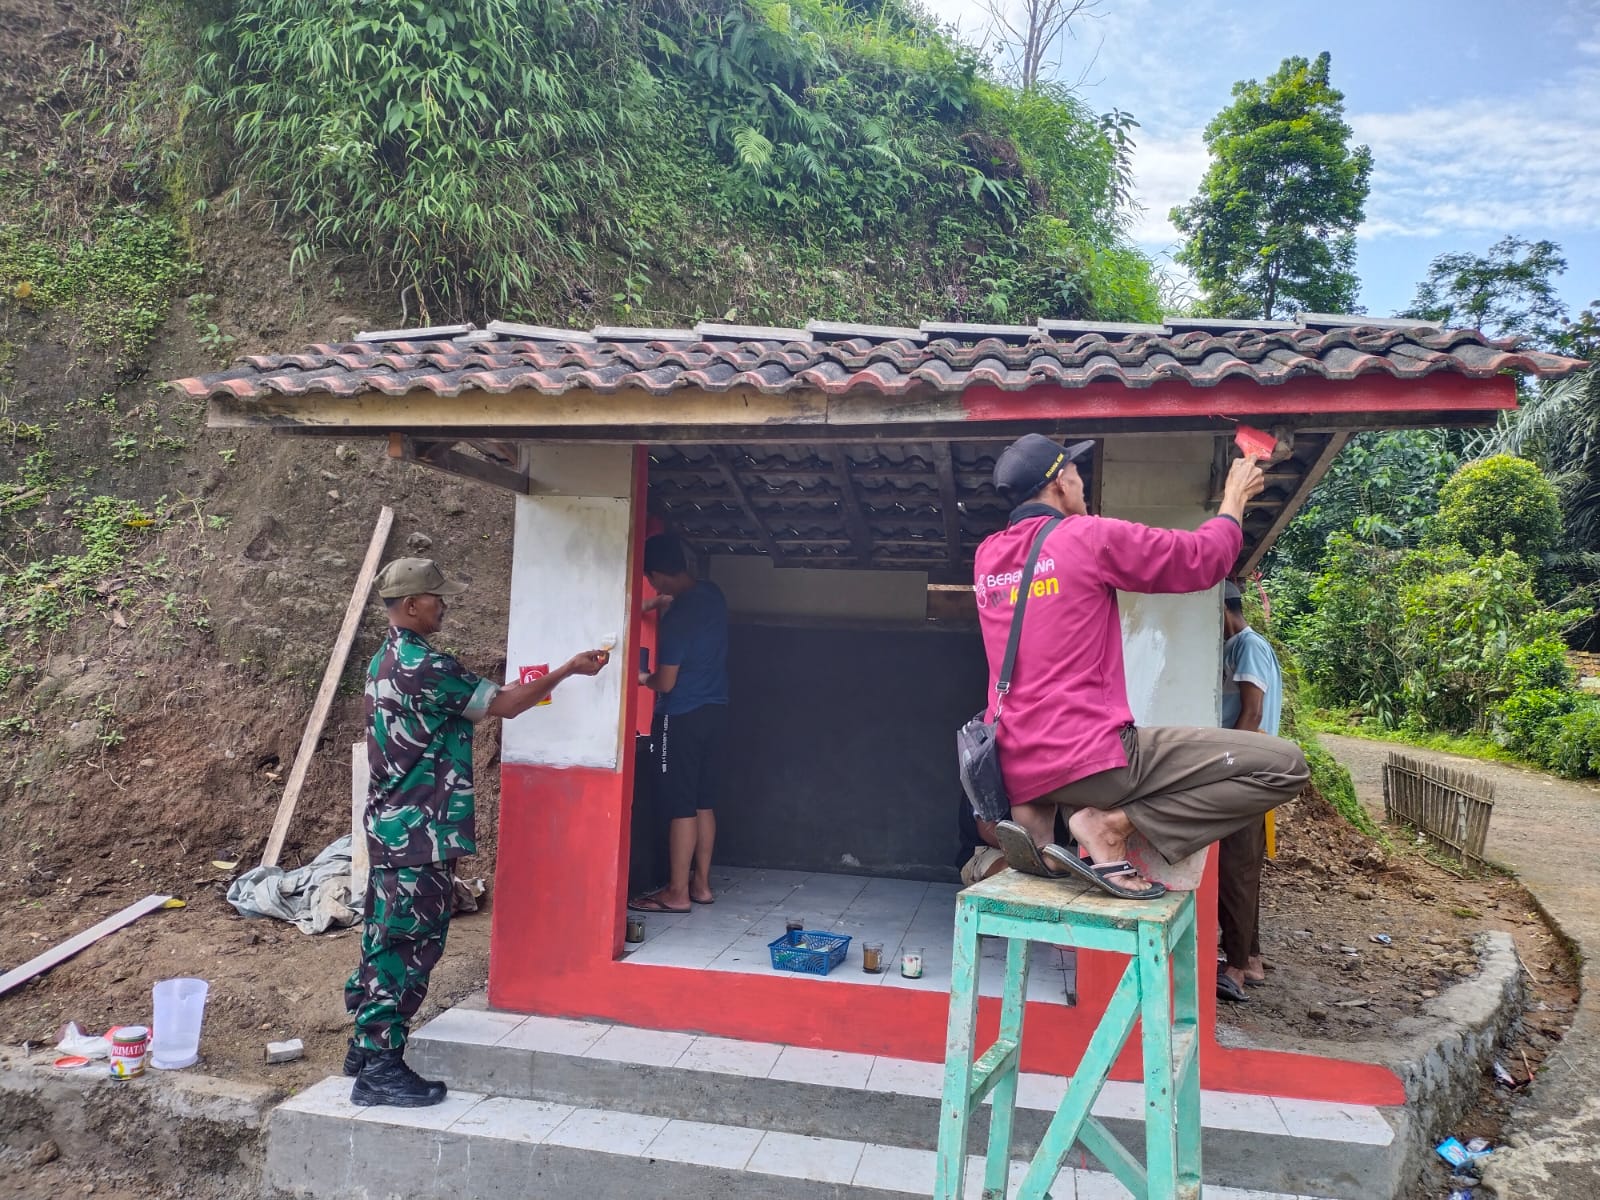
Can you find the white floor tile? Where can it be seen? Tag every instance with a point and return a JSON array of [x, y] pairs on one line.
[[612, 1132], [896, 1169], [326, 1098], [512, 1120], [705, 1145], [1335, 1122], [1253, 1114], [647, 1047], [477, 1027], [1063, 1187], [1120, 1099], [906, 1077], [1101, 1185], [825, 1160], [834, 1068], [1043, 1092], [441, 1116], [554, 1035], [728, 1056]]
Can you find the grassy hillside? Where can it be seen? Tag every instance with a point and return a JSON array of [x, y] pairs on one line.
[[582, 160], [185, 180]]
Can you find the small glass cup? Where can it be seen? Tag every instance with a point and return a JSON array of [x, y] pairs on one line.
[[911, 963], [872, 957], [635, 928], [794, 929]]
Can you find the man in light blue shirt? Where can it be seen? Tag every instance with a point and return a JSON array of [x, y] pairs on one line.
[[1252, 698]]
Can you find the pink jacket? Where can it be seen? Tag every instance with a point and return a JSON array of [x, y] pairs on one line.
[[1068, 703]]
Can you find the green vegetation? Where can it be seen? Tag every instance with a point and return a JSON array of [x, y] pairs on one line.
[[117, 276], [1500, 503], [1510, 291], [772, 160], [1272, 229]]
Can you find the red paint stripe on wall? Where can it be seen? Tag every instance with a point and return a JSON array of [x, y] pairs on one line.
[[556, 936], [1243, 397]]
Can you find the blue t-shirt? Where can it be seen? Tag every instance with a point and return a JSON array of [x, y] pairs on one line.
[[1247, 657], [694, 638]]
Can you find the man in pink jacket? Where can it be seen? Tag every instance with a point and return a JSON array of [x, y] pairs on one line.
[[1066, 736]]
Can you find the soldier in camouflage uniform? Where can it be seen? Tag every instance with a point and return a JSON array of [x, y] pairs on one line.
[[422, 706]]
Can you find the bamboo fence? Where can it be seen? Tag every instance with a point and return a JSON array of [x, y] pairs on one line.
[[1451, 807]]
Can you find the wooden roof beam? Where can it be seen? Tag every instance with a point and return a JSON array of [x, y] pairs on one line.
[[724, 459], [442, 456], [1292, 505], [949, 502], [855, 521]]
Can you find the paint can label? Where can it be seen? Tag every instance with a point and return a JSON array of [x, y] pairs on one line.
[[129, 1045]]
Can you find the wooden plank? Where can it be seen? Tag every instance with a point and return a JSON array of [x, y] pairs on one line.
[[949, 502], [442, 456], [329, 688], [80, 941], [850, 506], [1291, 506], [632, 414], [724, 461]]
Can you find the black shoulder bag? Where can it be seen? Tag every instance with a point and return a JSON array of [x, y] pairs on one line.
[[977, 745]]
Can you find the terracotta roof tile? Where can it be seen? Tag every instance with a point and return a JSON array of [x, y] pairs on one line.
[[504, 358]]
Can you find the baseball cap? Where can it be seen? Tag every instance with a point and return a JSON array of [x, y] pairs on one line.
[[1230, 590], [415, 577], [1032, 461]]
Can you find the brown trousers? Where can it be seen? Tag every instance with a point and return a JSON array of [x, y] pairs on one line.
[[1239, 859], [1184, 788]]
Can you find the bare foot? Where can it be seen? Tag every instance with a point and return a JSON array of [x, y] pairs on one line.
[[1103, 835], [1235, 974], [1256, 971]]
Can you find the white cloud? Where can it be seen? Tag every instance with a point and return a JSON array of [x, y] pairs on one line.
[[1487, 166], [1167, 171]]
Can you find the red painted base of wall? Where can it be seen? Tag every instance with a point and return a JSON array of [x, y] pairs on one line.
[[558, 919]]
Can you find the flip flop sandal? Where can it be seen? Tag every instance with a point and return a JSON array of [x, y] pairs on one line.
[[1229, 989], [649, 904], [1103, 875], [692, 900], [1016, 843]]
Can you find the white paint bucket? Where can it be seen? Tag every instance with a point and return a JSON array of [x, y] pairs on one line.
[[180, 1005]]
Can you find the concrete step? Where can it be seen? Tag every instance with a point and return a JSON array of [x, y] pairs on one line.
[[502, 1148], [1276, 1146]]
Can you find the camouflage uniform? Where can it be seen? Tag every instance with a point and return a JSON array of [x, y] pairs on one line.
[[421, 707]]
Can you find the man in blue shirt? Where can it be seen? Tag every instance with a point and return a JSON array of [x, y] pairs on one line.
[[1252, 698], [691, 720]]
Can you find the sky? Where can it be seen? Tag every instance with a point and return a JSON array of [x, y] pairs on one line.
[[1483, 118]]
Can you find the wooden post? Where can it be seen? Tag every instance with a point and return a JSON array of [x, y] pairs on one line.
[[330, 687], [360, 860]]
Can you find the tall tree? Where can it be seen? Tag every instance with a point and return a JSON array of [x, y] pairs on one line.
[[1508, 292], [1024, 31], [1272, 228]]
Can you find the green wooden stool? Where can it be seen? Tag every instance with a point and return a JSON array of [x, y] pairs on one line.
[[1157, 936]]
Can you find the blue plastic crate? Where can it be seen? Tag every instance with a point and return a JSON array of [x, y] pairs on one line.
[[808, 952]]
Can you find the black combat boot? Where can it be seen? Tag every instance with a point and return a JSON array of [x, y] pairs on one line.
[[385, 1079], [354, 1059]]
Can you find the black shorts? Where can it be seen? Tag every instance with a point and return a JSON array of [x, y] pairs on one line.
[[687, 759]]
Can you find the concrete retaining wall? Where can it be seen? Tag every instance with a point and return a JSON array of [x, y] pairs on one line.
[[166, 1127]]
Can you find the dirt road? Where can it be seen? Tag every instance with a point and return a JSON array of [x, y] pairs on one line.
[[1547, 830]]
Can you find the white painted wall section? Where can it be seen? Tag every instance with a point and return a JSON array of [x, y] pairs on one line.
[[754, 587], [570, 587], [1172, 645]]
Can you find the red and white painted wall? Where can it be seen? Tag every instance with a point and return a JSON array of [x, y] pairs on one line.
[[567, 787]]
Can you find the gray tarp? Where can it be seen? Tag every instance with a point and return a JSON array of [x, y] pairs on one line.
[[316, 897]]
